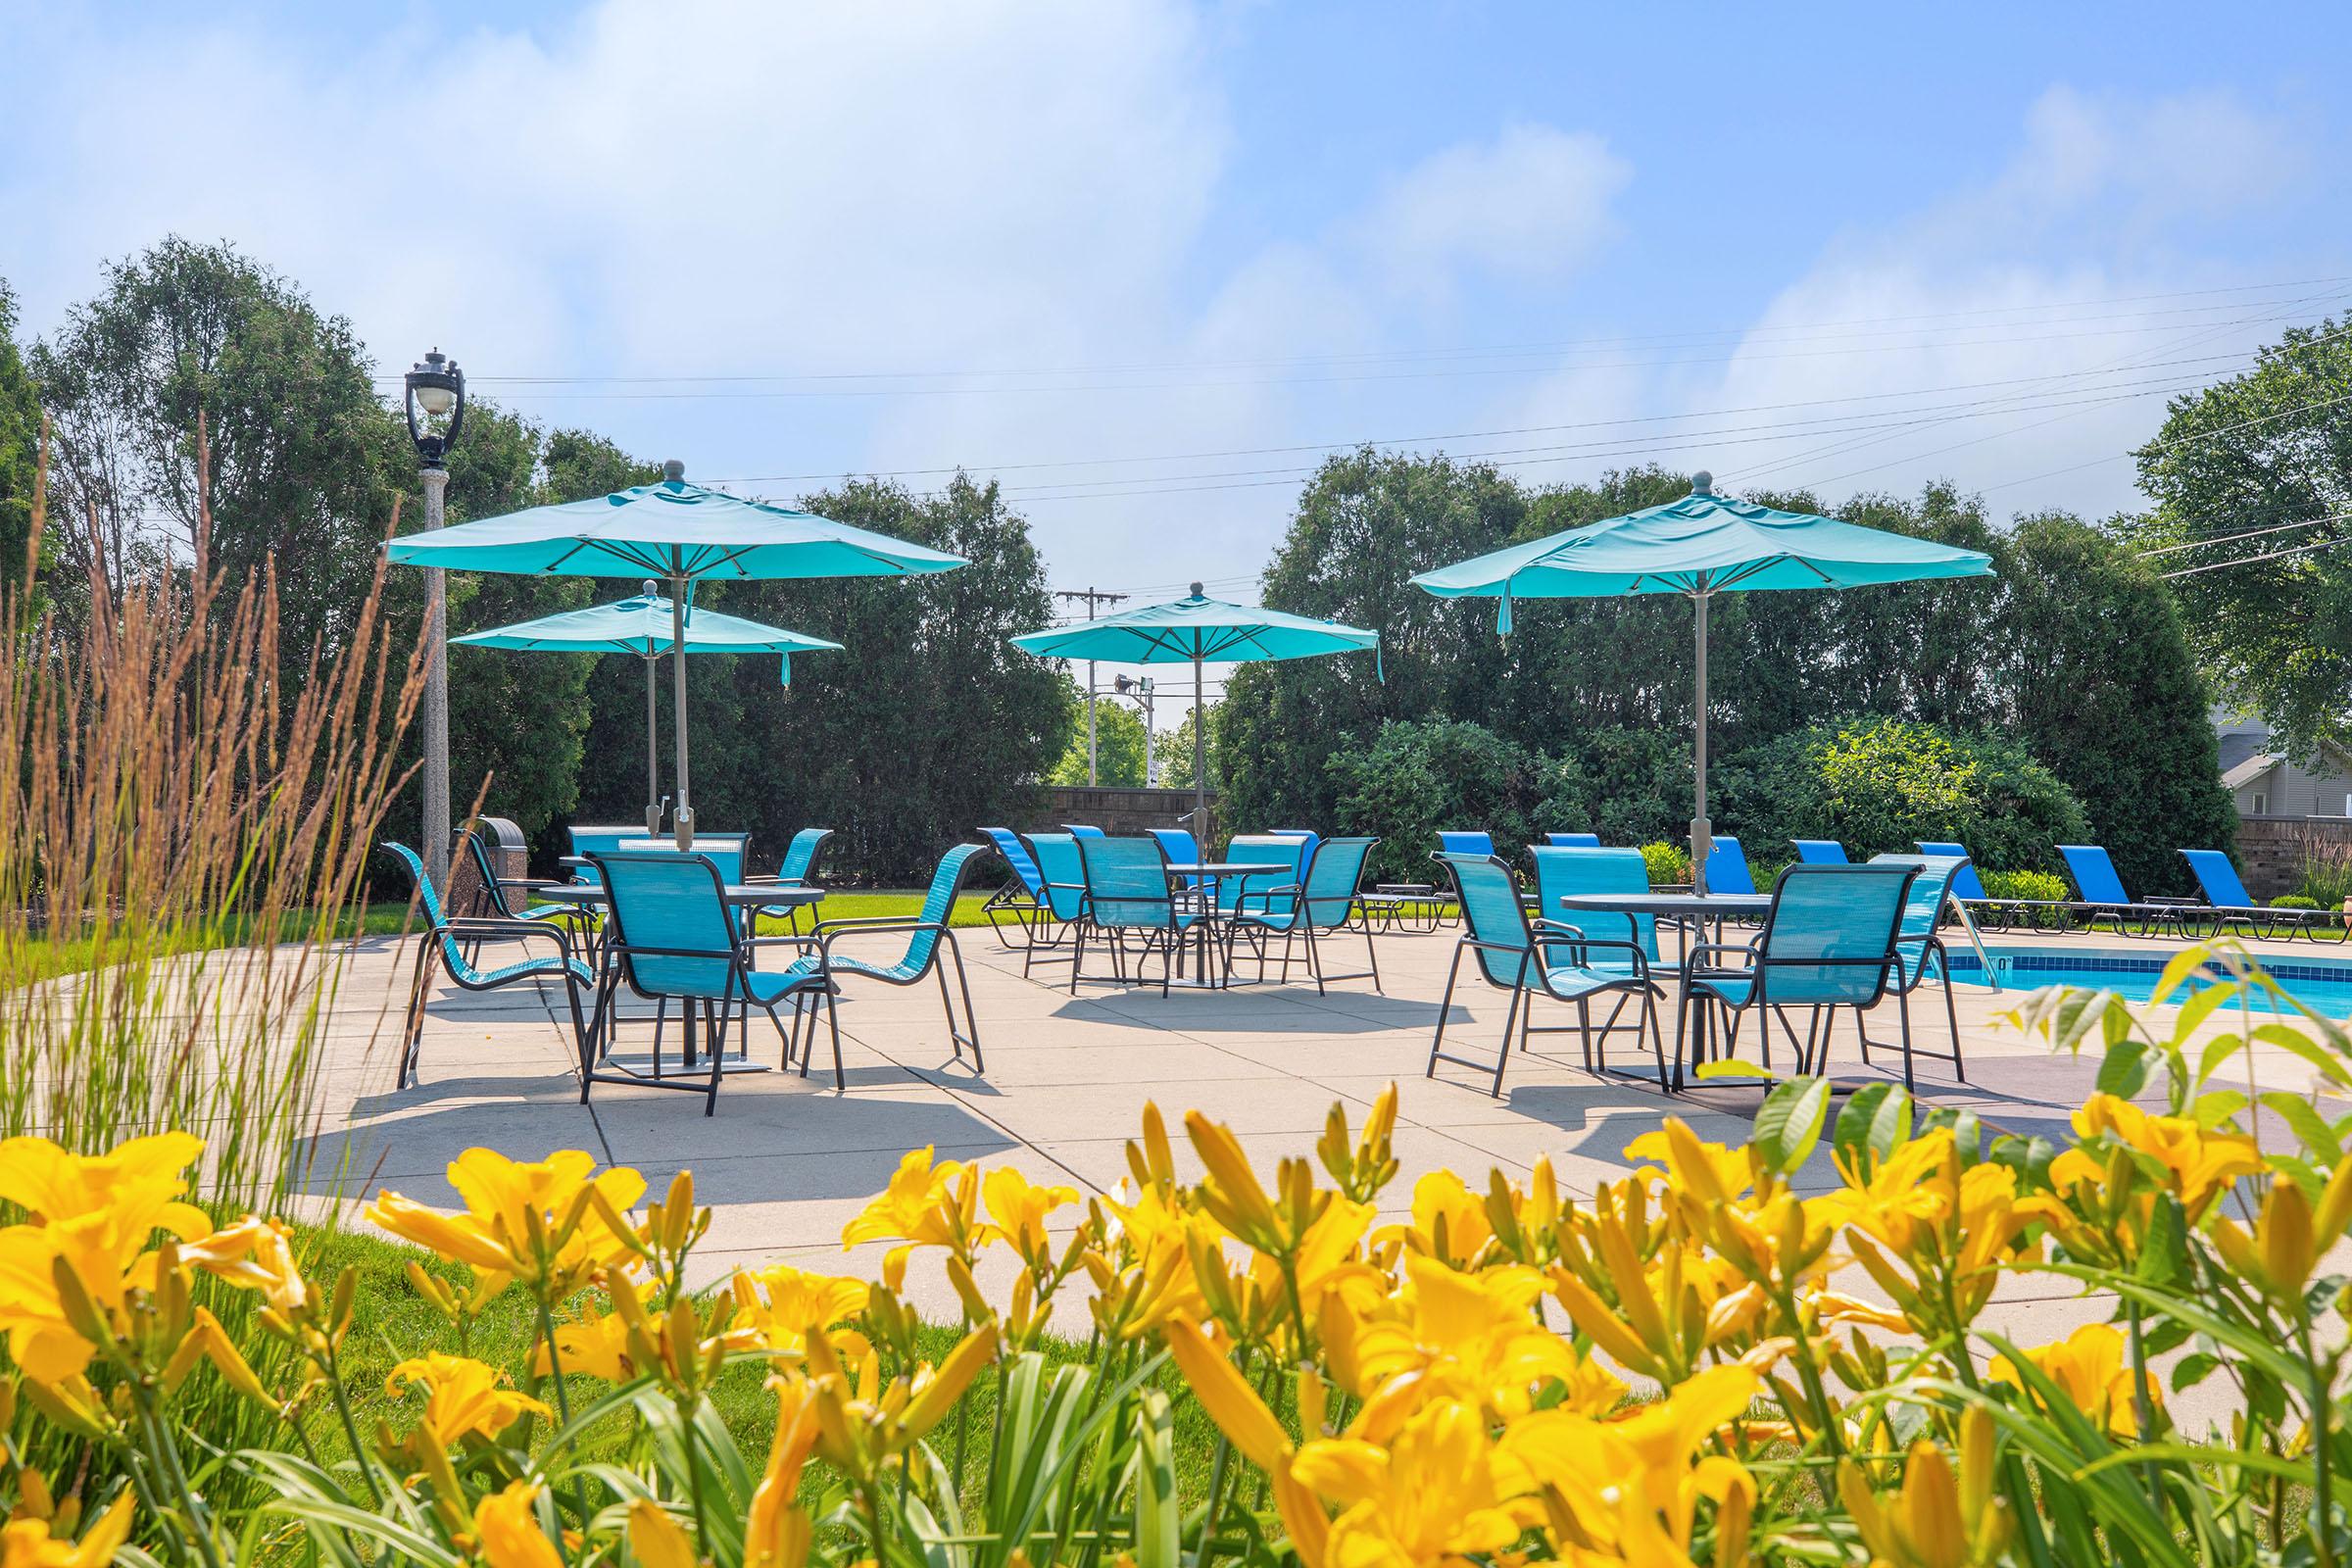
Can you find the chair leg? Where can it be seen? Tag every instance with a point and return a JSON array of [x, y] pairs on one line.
[[1951, 1016], [1584, 1029], [1437, 1043], [1657, 1042], [412, 1028], [971, 1020], [1503, 1057], [715, 1019], [1902, 1015], [1372, 958], [841, 1078], [1077, 957]]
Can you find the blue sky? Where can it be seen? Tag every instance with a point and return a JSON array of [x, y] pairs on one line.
[[1143, 260]]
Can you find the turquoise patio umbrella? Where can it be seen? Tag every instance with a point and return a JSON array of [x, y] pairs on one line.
[[645, 625], [681, 534], [1199, 629], [1698, 547]]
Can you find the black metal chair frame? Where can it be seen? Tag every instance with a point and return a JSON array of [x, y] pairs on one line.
[[474, 932], [1543, 935], [1115, 936]]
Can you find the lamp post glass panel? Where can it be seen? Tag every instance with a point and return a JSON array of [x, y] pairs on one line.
[[436, 410]]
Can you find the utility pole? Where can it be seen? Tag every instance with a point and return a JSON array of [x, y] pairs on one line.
[[1091, 597]]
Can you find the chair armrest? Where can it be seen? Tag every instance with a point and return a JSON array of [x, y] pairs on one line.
[[487, 930], [877, 922]]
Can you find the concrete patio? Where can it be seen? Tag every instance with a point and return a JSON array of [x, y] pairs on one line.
[[787, 1160]]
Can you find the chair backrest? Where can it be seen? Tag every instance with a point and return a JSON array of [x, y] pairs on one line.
[[2093, 874], [1727, 866], [1060, 875], [662, 899], [589, 840], [1923, 907], [1311, 837], [1492, 914], [939, 904], [2219, 878], [1127, 883], [1335, 869], [1016, 855], [1820, 852], [1830, 938], [1561, 870], [724, 850], [1573, 840], [1262, 849], [1079, 830], [1462, 841], [1967, 886], [485, 871], [800, 855], [435, 916], [1181, 848]]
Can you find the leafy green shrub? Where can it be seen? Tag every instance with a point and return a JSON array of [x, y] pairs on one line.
[[2025, 886], [2326, 877], [2293, 901], [1414, 779], [1883, 785], [1668, 864]]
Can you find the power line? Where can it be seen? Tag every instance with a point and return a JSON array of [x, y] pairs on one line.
[[2250, 533], [2252, 561]]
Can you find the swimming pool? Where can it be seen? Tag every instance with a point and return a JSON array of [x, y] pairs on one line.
[[2323, 985]]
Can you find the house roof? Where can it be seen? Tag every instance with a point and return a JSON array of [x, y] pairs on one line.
[[2252, 768]]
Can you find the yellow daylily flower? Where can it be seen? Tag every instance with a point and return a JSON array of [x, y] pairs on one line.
[[596, 1345], [1713, 1173], [25, 1541], [551, 1222], [2200, 1165], [1448, 1221], [1471, 1337], [1435, 1494], [462, 1396], [656, 1540], [509, 1530], [2089, 1367], [925, 1204], [1017, 1208], [783, 1303], [256, 1254], [776, 1531], [1938, 1519], [2285, 1247]]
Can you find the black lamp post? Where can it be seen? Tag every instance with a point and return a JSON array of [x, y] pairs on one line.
[[435, 406]]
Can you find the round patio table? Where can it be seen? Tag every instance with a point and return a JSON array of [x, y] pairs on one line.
[[736, 895], [1210, 873], [1691, 912]]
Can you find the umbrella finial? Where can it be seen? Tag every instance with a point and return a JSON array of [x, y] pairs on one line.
[[650, 588], [674, 470], [1702, 483], [1197, 592]]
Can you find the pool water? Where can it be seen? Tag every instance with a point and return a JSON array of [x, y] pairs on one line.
[[2325, 985]]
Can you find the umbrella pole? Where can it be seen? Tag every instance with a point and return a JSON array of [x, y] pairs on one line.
[[684, 815], [653, 752], [1701, 831], [1200, 764]]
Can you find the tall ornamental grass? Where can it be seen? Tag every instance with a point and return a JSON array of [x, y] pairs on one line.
[[181, 829]]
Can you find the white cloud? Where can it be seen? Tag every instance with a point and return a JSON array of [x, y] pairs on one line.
[[1530, 205]]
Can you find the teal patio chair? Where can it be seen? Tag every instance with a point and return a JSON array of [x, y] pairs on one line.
[[1020, 900], [2103, 894], [1573, 840], [1062, 899], [1727, 866], [1562, 870], [726, 850], [1531, 959], [588, 840], [929, 934], [1919, 948], [455, 944], [1820, 852], [1316, 906], [2230, 906], [493, 891], [1079, 830], [672, 938], [1127, 897], [799, 870], [1828, 941], [1181, 848], [1266, 891]]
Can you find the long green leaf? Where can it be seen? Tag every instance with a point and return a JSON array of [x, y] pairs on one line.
[[1158, 1513]]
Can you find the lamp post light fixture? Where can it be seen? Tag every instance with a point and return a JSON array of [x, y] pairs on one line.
[[435, 405], [1139, 692]]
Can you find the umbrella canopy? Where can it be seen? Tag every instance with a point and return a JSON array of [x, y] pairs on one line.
[[681, 532], [643, 625], [1197, 630], [1700, 545]]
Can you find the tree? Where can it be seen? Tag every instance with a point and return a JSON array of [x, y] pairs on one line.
[[20, 444], [1414, 779], [1173, 751], [2268, 450], [304, 456], [1119, 743]]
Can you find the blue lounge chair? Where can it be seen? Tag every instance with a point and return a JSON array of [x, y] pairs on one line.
[[455, 945], [672, 938], [1317, 905], [1727, 866], [1465, 842], [2102, 893], [928, 935], [1919, 944], [1079, 830], [1828, 941], [1127, 896], [1061, 897], [1999, 915], [1528, 958], [1021, 898], [2230, 905], [1181, 848], [1573, 840], [1820, 852], [1562, 870]]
